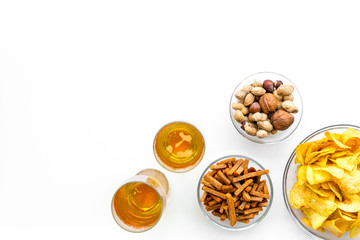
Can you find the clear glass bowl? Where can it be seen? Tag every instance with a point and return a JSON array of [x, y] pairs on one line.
[[239, 225], [280, 135], [289, 179]]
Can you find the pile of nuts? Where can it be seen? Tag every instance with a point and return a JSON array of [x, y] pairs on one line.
[[264, 108]]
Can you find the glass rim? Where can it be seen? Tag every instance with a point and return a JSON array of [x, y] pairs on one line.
[[262, 140], [139, 179], [290, 210], [180, 170], [263, 213]]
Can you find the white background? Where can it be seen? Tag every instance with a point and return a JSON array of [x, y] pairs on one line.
[[85, 85]]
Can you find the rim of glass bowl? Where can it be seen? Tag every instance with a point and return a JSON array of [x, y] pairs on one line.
[[263, 213], [181, 170], [265, 140], [298, 222]]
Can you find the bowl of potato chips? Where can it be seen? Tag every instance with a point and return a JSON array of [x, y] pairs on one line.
[[321, 183]]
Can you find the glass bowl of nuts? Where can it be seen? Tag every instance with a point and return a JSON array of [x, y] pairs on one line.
[[266, 107], [235, 192]]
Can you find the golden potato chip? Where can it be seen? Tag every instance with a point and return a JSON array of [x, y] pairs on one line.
[[303, 196], [337, 139], [321, 192], [302, 175], [296, 196], [350, 203], [333, 169], [336, 229], [349, 183], [322, 161], [315, 219], [300, 152], [316, 156], [348, 162], [351, 138], [330, 198], [355, 229], [316, 176], [307, 222], [341, 154], [335, 188], [348, 215], [313, 147]]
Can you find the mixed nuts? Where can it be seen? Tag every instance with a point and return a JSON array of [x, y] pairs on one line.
[[263, 108]]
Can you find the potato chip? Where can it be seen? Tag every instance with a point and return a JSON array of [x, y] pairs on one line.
[[332, 169], [302, 175], [321, 192], [355, 229], [315, 156], [336, 190], [341, 154], [315, 219], [348, 215], [337, 139], [330, 198], [336, 229], [316, 176], [349, 183], [351, 138], [313, 147], [296, 196], [300, 152], [348, 162], [303, 196], [350, 203], [322, 161]]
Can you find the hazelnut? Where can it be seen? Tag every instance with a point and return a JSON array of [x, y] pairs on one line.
[[278, 83], [282, 120], [268, 102], [255, 107], [268, 85]]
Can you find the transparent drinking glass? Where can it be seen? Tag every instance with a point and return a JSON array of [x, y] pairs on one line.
[[139, 202]]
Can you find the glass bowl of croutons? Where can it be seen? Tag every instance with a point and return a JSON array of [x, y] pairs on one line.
[[235, 192]]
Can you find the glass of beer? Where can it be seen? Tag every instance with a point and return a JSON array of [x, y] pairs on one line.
[[138, 204], [179, 146]]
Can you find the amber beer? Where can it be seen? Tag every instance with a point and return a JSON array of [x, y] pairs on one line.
[[179, 146], [139, 202]]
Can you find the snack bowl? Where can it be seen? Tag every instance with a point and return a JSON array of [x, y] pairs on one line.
[[290, 178], [280, 135], [239, 225]]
